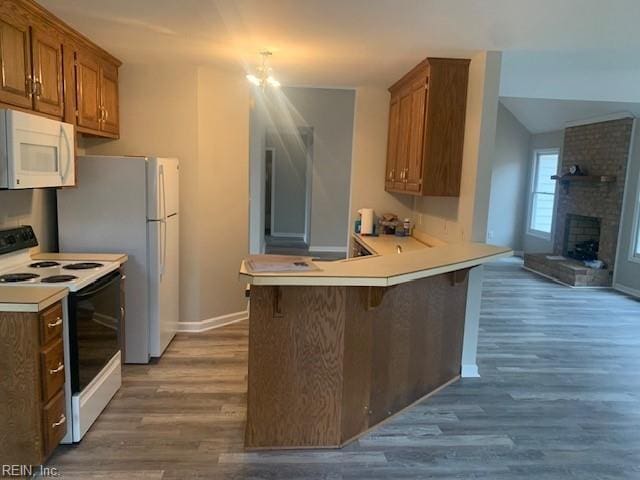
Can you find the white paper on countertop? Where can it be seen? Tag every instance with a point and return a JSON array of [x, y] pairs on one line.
[[279, 263]]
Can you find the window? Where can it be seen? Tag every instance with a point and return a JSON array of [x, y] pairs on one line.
[[543, 192], [636, 250]]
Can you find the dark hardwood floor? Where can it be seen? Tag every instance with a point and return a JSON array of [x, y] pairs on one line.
[[559, 398]]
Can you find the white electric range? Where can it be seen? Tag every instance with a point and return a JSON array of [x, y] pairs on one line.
[[92, 323]]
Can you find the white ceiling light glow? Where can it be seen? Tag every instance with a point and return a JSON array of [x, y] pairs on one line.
[[263, 77]]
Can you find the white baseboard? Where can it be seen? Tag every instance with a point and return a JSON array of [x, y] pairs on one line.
[[628, 290], [285, 234], [320, 249], [210, 323], [469, 371]]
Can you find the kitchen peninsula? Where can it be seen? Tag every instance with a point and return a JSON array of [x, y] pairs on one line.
[[334, 352]]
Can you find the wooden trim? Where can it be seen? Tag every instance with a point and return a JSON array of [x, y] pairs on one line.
[[97, 133]]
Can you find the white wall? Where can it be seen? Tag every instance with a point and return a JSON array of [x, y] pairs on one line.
[[627, 271], [571, 75], [329, 113], [464, 218], [289, 183], [257, 145], [223, 189], [507, 206], [370, 156], [201, 116], [532, 243], [31, 207]]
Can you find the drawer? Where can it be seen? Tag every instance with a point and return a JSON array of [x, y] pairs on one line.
[[54, 425], [51, 323], [52, 369]]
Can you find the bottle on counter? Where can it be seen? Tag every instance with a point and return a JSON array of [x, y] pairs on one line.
[[406, 226]]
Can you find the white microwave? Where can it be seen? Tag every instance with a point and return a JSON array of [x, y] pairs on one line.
[[35, 152]]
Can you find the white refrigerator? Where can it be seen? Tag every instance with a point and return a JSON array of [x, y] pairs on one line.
[[130, 205]]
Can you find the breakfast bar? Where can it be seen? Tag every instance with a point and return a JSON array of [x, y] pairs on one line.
[[336, 351]]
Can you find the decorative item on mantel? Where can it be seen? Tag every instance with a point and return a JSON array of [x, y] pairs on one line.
[[577, 175]]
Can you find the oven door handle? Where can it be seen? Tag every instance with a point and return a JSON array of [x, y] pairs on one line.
[[102, 284]]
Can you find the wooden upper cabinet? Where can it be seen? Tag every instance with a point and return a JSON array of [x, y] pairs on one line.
[[426, 150], [109, 97], [413, 173], [88, 100], [47, 72], [48, 68], [15, 84], [392, 143], [97, 95]]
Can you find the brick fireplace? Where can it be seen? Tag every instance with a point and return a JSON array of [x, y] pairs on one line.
[[587, 212]]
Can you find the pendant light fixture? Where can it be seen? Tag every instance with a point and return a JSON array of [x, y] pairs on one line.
[[264, 77]]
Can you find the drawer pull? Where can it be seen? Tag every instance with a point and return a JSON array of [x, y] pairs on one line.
[[58, 369], [55, 324], [62, 420]]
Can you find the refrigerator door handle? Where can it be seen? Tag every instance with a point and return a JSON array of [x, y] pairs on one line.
[[163, 222]]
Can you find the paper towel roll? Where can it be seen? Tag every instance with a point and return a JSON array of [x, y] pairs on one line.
[[366, 221]]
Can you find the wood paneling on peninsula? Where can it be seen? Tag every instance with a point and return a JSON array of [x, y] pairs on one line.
[[426, 128], [328, 363], [46, 68]]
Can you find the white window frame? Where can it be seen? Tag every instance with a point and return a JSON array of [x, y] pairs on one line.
[[634, 253], [532, 184]]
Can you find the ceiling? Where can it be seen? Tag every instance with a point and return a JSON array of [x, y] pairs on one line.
[[545, 115], [347, 42]]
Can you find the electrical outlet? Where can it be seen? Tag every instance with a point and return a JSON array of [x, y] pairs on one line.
[[490, 235]]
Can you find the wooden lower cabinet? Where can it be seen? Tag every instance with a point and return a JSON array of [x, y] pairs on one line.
[[32, 400], [328, 363]]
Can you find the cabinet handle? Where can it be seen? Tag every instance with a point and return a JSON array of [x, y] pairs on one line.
[[106, 114], [38, 88], [55, 324], [62, 420], [122, 312], [391, 173], [29, 86], [58, 369], [406, 170]]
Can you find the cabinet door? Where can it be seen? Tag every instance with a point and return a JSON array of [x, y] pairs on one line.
[[109, 98], [413, 175], [392, 144], [404, 136], [15, 84], [88, 91], [47, 72]]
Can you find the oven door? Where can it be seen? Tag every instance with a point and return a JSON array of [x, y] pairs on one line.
[[40, 152], [94, 329]]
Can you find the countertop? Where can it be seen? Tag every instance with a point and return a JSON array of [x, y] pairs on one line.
[[388, 244], [83, 257], [386, 269], [29, 299]]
